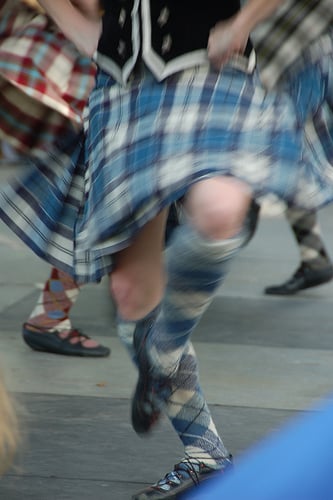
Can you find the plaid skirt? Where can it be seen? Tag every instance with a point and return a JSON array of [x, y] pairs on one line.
[[309, 82], [44, 81], [145, 145]]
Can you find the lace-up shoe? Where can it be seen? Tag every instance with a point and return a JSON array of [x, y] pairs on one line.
[[185, 476]]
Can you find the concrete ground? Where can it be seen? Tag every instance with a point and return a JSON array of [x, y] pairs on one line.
[[262, 360]]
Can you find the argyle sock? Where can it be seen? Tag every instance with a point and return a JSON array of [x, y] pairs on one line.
[[59, 295], [306, 230], [187, 408], [190, 415]]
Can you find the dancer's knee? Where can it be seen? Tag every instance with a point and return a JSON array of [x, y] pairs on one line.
[[218, 207]]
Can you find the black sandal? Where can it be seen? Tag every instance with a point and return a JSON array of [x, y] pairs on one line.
[[42, 339]]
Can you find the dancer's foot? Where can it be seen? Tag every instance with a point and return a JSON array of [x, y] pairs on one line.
[[67, 342], [151, 392], [304, 277], [185, 476]]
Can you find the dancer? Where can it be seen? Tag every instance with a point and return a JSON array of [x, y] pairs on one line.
[[172, 480], [25, 122], [283, 50], [31, 126]]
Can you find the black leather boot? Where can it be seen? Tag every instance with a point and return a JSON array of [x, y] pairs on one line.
[[304, 277]]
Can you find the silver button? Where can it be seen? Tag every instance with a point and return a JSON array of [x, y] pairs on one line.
[[166, 44], [163, 17], [122, 17], [121, 48]]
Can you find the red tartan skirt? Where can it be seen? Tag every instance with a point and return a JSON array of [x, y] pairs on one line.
[[44, 81]]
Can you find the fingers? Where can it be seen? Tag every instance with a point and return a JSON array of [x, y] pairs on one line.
[[225, 42]]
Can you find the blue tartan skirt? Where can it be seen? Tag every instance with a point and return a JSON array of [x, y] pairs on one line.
[[145, 145], [309, 82]]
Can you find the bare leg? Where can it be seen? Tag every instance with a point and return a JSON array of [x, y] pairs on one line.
[[138, 281]]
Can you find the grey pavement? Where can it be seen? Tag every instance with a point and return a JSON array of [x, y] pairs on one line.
[[262, 360]]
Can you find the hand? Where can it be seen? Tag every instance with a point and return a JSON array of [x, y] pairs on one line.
[[225, 41]]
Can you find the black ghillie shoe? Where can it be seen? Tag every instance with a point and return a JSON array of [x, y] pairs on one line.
[[150, 392], [303, 278], [185, 476], [44, 340]]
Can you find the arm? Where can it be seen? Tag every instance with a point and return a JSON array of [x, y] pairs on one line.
[[79, 20], [255, 11], [230, 37]]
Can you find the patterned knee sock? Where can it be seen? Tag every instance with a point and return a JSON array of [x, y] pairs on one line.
[[190, 416], [306, 229], [187, 408], [57, 298], [196, 267]]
